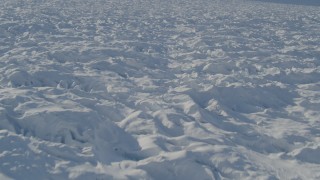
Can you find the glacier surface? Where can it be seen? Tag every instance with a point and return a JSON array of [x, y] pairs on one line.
[[159, 89]]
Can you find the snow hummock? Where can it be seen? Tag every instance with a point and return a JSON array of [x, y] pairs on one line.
[[159, 89]]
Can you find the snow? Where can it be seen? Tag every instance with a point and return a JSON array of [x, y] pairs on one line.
[[159, 89]]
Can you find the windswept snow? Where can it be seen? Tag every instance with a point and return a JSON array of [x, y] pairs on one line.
[[159, 89]]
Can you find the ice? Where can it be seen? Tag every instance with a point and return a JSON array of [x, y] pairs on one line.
[[159, 89]]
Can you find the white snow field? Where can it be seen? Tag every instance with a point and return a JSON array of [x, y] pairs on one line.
[[159, 89]]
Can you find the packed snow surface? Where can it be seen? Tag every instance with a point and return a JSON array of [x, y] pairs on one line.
[[159, 89]]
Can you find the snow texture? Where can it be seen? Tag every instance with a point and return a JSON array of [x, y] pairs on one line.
[[159, 89]]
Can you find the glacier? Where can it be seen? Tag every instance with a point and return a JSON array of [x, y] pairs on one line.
[[159, 89]]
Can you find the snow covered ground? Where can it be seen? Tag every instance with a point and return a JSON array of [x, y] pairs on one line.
[[159, 89]]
